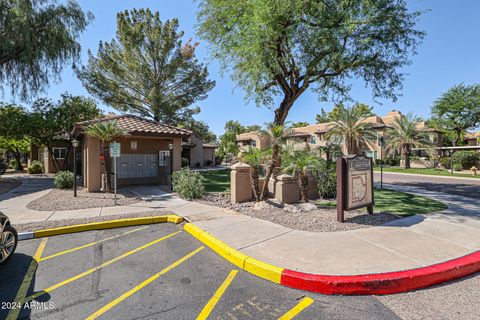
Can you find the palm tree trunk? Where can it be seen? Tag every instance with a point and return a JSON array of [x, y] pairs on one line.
[[254, 183], [406, 156], [272, 164], [304, 186], [108, 168]]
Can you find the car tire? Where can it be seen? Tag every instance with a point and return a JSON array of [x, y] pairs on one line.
[[8, 234]]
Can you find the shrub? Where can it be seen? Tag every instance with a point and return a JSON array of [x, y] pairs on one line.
[[457, 167], [445, 162], [466, 159], [188, 184], [327, 182], [392, 161], [185, 163], [3, 166], [13, 164], [63, 180], [35, 167], [208, 163]]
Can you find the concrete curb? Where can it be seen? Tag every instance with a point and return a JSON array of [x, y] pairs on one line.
[[364, 284], [119, 223]]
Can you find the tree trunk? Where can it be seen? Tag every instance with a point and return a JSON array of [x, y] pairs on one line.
[[18, 159], [254, 183], [272, 164], [108, 168], [303, 179], [458, 137], [54, 160], [406, 156]]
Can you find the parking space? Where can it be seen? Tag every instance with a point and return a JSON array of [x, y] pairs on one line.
[[152, 272]]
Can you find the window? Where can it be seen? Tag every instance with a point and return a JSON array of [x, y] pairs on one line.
[[59, 153], [254, 143], [313, 140], [163, 158]]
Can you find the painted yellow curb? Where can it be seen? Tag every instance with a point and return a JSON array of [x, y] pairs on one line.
[[258, 268], [107, 225]]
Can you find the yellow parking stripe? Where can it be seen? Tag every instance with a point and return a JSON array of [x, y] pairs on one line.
[[27, 280], [127, 294], [305, 302], [216, 296], [90, 244], [103, 265]]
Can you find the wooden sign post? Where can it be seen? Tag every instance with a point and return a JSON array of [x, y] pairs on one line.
[[354, 184]]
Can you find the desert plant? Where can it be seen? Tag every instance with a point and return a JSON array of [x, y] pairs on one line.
[[35, 167], [3, 166], [254, 158], [466, 159], [63, 180], [404, 136], [188, 184], [300, 164], [106, 132]]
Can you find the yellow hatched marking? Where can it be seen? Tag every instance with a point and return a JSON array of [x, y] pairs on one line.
[[27, 280], [103, 265], [90, 244], [305, 302], [217, 295], [127, 294]]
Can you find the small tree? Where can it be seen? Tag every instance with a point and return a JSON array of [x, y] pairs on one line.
[[13, 132], [351, 130], [254, 158], [404, 136], [106, 132], [301, 164]]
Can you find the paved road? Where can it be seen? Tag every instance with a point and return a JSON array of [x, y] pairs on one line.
[[467, 187], [190, 275]]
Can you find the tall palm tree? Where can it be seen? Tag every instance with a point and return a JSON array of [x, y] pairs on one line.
[[254, 158], [404, 136], [351, 130], [106, 132], [276, 135], [301, 164]]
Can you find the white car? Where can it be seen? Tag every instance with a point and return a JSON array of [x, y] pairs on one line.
[[8, 239]]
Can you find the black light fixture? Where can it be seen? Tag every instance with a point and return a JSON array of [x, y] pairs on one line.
[[75, 146]]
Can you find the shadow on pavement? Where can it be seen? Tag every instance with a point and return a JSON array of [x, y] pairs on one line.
[[30, 184]]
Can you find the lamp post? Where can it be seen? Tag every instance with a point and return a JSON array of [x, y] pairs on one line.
[[75, 145], [170, 148]]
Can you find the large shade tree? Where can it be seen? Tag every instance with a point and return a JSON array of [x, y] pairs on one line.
[[13, 132], [146, 70], [364, 109], [457, 110], [37, 39], [276, 50]]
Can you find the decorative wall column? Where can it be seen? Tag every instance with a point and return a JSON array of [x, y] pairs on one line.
[[287, 189], [240, 187]]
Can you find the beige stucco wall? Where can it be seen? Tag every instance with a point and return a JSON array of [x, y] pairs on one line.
[[196, 153], [209, 154]]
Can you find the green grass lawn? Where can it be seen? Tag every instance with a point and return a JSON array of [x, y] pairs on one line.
[[216, 181], [402, 204], [432, 172]]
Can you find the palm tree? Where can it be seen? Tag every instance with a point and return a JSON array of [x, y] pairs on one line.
[[351, 130], [301, 163], [254, 158], [106, 132], [276, 135], [404, 136]]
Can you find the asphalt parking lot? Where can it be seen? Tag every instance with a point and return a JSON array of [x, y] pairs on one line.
[[152, 272]]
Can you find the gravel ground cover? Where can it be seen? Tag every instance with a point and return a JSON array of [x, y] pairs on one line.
[[7, 184], [303, 216], [59, 199], [24, 227]]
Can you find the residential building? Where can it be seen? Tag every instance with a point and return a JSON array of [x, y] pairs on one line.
[[472, 138], [198, 153], [252, 139]]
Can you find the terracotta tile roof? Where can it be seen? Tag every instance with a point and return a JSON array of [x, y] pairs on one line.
[[135, 124]]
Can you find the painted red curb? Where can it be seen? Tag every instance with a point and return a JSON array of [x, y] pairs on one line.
[[384, 283]]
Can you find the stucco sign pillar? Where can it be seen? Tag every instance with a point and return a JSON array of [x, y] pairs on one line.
[[354, 184]]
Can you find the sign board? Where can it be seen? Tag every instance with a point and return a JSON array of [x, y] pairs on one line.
[[354, 184], [114, 149], [133, 145]]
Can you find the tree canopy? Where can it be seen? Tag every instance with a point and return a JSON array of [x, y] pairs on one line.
[[334, 115], [457, 110], [279, 49], [146, 70], [37, 39], [299, 124], [13, 131], [228, 143]]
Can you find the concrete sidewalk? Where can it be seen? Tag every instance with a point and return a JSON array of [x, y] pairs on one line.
[[408, 243]]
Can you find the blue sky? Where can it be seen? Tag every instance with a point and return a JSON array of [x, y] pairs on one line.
[[449, 55]]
